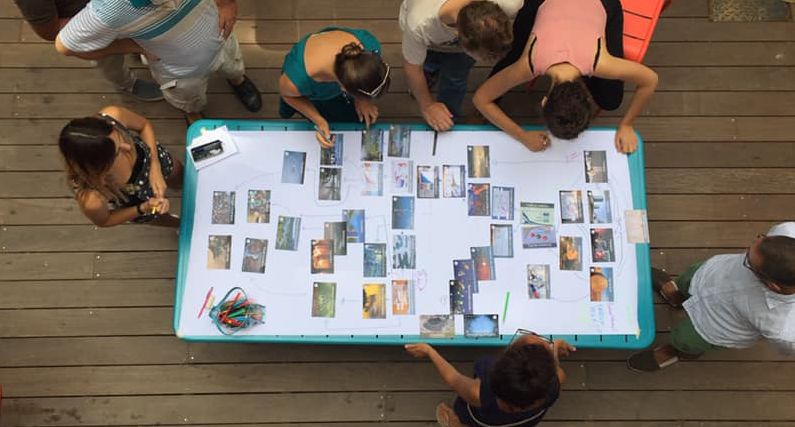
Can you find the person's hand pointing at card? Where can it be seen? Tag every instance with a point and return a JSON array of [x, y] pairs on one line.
[[323, 134]]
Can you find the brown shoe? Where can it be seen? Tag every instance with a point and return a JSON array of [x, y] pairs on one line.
[[664, 285]]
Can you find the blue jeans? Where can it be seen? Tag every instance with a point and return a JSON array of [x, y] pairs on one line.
[[453, 69]]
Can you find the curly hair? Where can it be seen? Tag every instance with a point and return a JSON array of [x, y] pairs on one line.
[[524, 375], [569, 109], [778, 260], [485, 30]]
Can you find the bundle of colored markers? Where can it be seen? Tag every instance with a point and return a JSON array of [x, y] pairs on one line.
[[236, 312]]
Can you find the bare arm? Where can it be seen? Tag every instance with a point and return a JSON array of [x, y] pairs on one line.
[[466, 387], [118, 47], [289, 92], [435, 113], [227, 16], [95, 208]]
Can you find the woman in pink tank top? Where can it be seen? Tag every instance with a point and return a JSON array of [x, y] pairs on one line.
[[579, 45]]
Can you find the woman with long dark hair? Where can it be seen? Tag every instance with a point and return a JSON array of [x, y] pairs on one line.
[[118, 172]]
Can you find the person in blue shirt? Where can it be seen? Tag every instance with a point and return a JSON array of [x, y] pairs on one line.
[[333, 75], [513, 389]]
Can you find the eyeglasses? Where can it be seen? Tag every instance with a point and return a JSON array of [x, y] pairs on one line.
[[747, 264], [521, 332], [377, 91]]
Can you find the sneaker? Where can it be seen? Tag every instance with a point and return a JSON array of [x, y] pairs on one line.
[[248, 94], [146, 90]]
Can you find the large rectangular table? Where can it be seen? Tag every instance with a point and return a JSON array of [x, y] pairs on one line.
[[443, 230]]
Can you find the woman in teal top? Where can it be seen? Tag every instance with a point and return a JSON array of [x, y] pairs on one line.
[[333, 75]]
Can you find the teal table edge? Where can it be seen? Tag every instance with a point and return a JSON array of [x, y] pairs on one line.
[[645, 301]]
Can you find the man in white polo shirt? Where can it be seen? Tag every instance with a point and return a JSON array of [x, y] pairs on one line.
[[732, 301], [441, 41], [185, 40]]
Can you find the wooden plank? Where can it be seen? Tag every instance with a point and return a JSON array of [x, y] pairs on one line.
[[680, 234], [628, 405], [53, 211], [681, 129], [86, 322], [35, 184], [77, 238], [193, 409], [86, 293], [26, 131], [726, 181], [46, 266], [750, 78], [687, 207], [720, 53], [677, 260], [695, 376], [698, 29], [233, 378], [720, 154], [122, 265], [687, 9], [10, 30]]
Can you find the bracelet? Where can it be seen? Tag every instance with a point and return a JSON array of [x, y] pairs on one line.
[[138, 209]]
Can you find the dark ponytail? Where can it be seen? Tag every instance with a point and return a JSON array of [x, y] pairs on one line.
[[360, 72], [89, 152]]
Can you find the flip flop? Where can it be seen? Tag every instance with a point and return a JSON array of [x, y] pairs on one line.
[[443, 414], [644, 361], [660, 278]]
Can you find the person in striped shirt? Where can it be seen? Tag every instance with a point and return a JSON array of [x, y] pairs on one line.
[[185, 42]]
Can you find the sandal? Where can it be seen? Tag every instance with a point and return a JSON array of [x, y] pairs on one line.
[[645, 361], [659, 279]]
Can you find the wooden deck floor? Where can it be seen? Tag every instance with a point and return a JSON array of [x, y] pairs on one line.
[[85, 314]]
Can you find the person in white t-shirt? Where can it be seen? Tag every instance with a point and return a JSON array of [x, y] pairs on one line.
[[732, 301], [441, 41]]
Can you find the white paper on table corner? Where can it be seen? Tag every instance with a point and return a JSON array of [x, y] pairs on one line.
[[220, 134]]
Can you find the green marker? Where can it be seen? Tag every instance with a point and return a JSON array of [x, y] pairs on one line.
[[505, 307]]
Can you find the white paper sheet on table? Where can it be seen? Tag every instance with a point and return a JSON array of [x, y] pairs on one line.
[[443, 229]]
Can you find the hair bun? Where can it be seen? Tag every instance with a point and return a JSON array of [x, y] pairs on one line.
[[351, 50]]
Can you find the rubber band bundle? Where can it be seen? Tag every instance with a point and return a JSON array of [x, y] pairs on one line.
[[236, 312]]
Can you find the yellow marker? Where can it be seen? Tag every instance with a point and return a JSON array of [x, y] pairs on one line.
[[154, 210]]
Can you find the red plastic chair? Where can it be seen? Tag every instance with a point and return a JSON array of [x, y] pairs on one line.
[[640, 20]]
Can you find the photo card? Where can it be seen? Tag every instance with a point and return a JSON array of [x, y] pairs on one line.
[[571, 253], [355, 220], [322, 260], [332, 156], [534, 213], [464, 271], [372, 179], [287, 233], [402, 212], [402, 297], [599, 207], [223, 207], [596, 166], [399, 141], [484, 263], [502, 240], [478, 199], [259, 206], [571, 207], [404, 252], [502, 203], [460, 298], [324, 299], [453, 181], [427, 182], [602, 246], [402, 176], [219, 252], [373, 145], [437, 326], [338, 233], [374, 301], [330, 184], [374, 263], [293, 167], [478, 161], [254, 255], [481, 326], [538, 283], [539, 236], [602, 284]]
